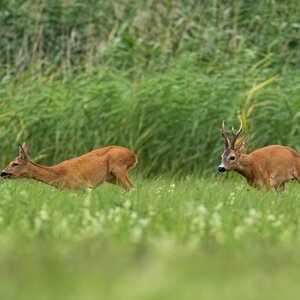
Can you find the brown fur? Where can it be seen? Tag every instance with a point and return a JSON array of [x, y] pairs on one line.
[[268, 167], [110, 164]]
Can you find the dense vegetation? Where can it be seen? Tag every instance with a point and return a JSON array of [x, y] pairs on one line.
[[156, 76]]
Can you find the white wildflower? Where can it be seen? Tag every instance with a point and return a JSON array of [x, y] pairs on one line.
[[137, 233], [144, 222], [127, 204], [38, 223], [117, 219], [171, 188], [158, 191], [216, 220], [201, 209], [271, 218], [44, 215], [117, 210], [87, 200], [110, 214], [198, 223], [219, 206], [254, 214], [232, 195], [231, 198], [133, 215], [24, 194], [238, 231], [277, 223], [249, 221], [151, 213], [252, 217]]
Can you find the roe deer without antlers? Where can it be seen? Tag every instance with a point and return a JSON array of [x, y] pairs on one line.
[[109, 164], [267, 167]]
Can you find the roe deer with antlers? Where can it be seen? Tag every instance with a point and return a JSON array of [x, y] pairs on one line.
[[109, 164], [267, 167]]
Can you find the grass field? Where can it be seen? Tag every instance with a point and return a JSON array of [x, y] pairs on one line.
[[212, 238], [157, 77]]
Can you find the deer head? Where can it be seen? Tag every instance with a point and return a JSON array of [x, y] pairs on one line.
[[232, 152], [17, 168]]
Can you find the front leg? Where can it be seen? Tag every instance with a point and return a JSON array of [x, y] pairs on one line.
[[280, 187]]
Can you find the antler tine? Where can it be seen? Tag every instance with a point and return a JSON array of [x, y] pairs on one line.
[[225, 136], [236, 134]]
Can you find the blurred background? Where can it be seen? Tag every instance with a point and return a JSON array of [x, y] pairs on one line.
[[155, 76]]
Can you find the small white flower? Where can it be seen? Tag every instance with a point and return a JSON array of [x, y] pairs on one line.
[[278, 223], [38, 223], [24, 194], [144, 222], [87, 200], [117, 219], [171, 188], [219, 206], [133, 215], [238, 231], [232, 195], [201, 209], [254, 214], [117, 210], [151, 213], [44, 215], [127, 204], [271, 218], [216, 220], [137, 233]]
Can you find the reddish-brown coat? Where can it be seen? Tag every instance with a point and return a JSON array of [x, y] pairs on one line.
[[267, 167], [109, 164]]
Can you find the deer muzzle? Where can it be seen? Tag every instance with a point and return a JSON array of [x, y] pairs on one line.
[[221, 168], [5, 175]]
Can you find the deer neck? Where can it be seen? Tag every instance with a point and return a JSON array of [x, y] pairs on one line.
[[48, 175], [246, 167]]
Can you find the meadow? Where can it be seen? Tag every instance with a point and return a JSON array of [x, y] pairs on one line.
[[157, 77], [193, 238]]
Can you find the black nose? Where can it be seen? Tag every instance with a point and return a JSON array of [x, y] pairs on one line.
[[221, 169], [3, 173]]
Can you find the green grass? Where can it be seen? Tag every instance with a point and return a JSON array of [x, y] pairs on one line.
[[209, 238], [158, 77]]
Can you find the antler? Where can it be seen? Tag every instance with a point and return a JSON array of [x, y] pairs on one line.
[[225, 136], [236, 134]]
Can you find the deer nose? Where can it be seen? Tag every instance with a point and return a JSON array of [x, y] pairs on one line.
[[221, 169], [3, 173]]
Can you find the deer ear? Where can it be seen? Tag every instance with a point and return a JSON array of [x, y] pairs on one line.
[[23, 151], [243, 145]]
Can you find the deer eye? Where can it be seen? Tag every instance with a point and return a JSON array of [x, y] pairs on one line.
[[232, 158], [14, 164]]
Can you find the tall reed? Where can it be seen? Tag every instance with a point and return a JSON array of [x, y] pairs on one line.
[[170, 119]]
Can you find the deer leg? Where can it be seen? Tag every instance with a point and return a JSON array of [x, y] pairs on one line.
[[266, 183], [296, 173], [120, 177], [111, 179], [280, 187]]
